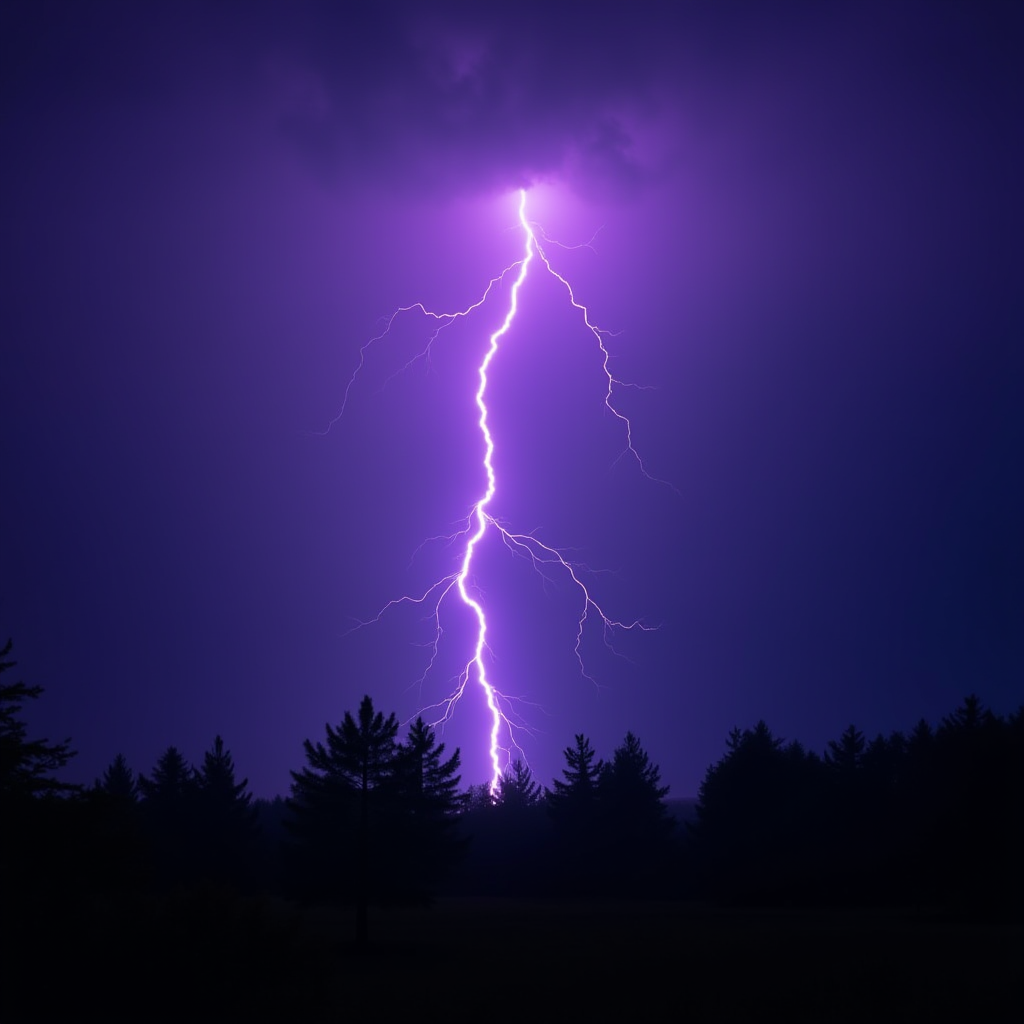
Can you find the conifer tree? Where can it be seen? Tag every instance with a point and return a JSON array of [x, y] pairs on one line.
[[26, 766], [636, 825], [478, 798], [173, 781], [632, 795], [121, 854], [575, 810], [216, 784], [575, 798], [517, 789], [736, 791], [169, 814], [428, 785], [427, 791], [119, 782], [344, 809], [967, 719], [750, 836], [630, 781], [845, 755], [227, 817]]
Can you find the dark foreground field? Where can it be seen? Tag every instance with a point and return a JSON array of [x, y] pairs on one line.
[[197, 957]]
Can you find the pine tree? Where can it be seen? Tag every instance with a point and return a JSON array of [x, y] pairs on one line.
[[921, 740], [344, 809], [429, 785], [227, 818], [121, 854], [631, 780], [26, 766], [517, 789], [977, 771], [845, 817], [119, 782], [574, 807], [427, 790], [632, 795], [967, 719], [216, 783], [755, 815], [737, 790], [636, 825], [169, 813], [845, 755], [510, 838], [173, 781], [479, 798], [576, 798]]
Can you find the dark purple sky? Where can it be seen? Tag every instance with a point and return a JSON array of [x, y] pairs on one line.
[[811, 244]]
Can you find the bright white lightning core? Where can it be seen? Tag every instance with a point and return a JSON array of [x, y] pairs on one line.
[[504, 724]]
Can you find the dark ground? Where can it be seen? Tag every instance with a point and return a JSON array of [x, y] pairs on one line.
[[210, 956]]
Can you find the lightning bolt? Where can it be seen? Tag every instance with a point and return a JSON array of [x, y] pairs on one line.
[[544, 558]]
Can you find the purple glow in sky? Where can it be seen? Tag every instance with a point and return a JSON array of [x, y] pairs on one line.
[[502, 739], [809, 232]]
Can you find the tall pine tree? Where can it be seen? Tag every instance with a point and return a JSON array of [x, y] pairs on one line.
[[517, 789], [574, 807], [344, 811], [427, 790], [119, 782], [169, 814], [26, 766], [574, 800], [636, 824], [227, 818]]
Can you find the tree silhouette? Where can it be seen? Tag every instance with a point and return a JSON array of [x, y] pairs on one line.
[[173, 781], [39, 864], [968, 719], [849, 825], [119, 782], [634, 799], [119, 852], [169, 814], [428, 785], [575, 799], [978, 762], [479, 798], [574, 807], [227, 818], [216, 784], [517, 790], [755, 808], [26, 766], [508, 853], [635, 821], [427, 790], [845, 756], [344, 809], [630, 785]]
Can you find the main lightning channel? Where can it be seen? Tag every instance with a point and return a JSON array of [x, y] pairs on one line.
[[480, 509], [543, 557]]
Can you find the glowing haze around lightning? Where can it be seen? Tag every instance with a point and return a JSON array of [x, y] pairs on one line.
[[543, 557]]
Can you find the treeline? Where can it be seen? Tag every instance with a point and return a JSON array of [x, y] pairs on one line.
[[934, 818]]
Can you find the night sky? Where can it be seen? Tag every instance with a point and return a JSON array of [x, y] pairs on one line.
[[807, 226]]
